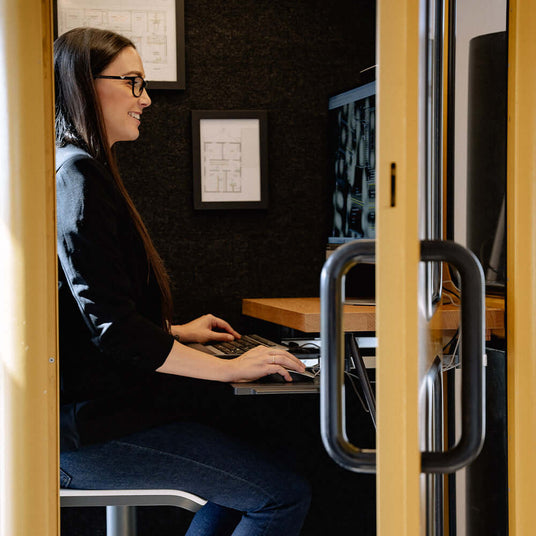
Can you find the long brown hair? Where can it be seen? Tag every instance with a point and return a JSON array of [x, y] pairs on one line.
[[80, 55]]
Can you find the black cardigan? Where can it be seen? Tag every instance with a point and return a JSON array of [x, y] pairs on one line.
[[111, 339]]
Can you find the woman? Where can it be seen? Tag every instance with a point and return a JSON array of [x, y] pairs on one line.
[[116, 334]]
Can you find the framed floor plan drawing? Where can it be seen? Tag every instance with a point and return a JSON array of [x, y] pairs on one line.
[[230, 159], [156, 28]]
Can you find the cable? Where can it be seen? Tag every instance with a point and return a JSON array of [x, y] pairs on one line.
[[453, 363], [351, 378], [454, 337]]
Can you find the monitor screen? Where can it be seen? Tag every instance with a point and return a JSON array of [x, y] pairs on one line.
[[352, 123]]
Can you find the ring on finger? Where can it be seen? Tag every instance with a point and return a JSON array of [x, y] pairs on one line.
[[273, 359]]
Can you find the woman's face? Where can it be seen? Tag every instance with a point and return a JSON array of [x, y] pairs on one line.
[[121, 110]]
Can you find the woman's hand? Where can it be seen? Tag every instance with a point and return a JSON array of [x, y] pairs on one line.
[[261, 361], [204, 329], [252, 365]]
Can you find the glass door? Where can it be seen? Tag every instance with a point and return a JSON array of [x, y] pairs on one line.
[[410, 458]]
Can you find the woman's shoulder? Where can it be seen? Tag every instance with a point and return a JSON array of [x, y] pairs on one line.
[[77, 169], [67, 152], [85, 189], [70, 156]]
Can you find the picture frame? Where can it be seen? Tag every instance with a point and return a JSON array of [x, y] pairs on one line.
[[156, 28], [230, 159]]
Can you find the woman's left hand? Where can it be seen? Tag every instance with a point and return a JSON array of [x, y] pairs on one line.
[[204, 329]]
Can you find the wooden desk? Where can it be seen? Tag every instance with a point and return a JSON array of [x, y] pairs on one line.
[[303, 314]]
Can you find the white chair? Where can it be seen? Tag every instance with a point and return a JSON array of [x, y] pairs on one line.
[[121, 504]]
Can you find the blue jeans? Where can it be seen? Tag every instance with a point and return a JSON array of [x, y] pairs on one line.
[[248, 495]]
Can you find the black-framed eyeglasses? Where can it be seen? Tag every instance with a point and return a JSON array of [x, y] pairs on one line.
[[137, 82]]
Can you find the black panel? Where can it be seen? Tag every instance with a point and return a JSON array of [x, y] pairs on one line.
[[286, 57], [486, 135]]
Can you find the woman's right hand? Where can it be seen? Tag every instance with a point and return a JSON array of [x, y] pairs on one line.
[[204, 329], [261, 361], [254, 364]]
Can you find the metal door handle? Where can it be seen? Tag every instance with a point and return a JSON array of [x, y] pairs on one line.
[[333, 429], [472, 354], [332, 425]]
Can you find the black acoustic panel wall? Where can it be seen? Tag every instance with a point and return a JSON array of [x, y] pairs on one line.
[[286, 57]]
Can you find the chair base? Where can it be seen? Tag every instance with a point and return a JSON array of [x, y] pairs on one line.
[[121, 504]]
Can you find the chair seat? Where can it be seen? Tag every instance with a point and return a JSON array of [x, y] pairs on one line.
[[131, 497]]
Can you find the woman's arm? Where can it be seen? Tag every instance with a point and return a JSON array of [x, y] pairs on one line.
[[258, 362], [91, 250], [105, 267]]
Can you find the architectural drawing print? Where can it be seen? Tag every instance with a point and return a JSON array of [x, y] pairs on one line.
[[222, 167], [151, 30], [230, 160], [119, 21]]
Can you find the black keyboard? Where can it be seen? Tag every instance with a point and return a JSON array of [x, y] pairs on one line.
[[239, 346]]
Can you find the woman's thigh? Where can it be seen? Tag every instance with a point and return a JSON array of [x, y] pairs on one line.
[[186, 456]]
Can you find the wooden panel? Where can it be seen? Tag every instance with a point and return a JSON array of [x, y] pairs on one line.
[[29, 477], [521, 270], [304, 314], [447, 317], [397, 270]]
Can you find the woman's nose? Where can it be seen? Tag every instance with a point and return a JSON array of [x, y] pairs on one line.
[[145, 100]]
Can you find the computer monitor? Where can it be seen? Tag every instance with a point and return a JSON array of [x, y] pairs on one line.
[[352, 125], [352, 176]]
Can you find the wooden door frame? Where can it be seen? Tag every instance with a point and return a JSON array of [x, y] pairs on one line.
[[398, 252], [521, 269], [29, 454]]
